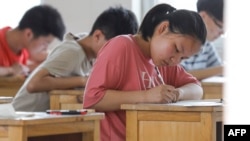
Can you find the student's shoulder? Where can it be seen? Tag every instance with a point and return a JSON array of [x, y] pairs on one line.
[[117, 45], [68, 45], [66, 48], [125, 37], [122, 40]]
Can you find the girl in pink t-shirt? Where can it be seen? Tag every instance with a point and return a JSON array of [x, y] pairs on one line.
[[143, 68]]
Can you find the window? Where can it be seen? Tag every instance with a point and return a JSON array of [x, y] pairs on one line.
[[180, 4], [11, 11]]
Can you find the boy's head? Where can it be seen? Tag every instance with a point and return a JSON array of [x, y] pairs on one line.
[[115, 21], [212, 7], [39, 26], [212, 13], [43, 20]]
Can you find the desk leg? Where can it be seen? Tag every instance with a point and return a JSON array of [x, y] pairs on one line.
[[208, 126], [132, 126], [17, 133], [97, 136], [94, 135]]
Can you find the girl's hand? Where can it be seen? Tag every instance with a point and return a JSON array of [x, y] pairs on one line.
[[162, 94]]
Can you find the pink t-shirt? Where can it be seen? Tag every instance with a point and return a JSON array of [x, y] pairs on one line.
[[120, 65]]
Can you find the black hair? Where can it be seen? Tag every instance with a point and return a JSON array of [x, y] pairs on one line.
[[212, 7], [180, 21], [115, 21], [43, 20]]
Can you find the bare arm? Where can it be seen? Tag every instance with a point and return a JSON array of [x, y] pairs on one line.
[[190, 91], [208, 72], [15, 69], [44, 81], [113, 99], [6, 71]]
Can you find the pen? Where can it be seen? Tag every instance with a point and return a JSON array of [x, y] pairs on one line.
[[159, 75], [69, 112]]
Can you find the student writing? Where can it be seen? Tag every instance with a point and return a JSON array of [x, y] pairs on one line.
[[124, 71]]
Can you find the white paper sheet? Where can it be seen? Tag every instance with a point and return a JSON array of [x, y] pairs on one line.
[[8, 111], [187, 103]]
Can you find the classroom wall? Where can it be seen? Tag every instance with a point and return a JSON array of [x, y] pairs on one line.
[[79, 15]]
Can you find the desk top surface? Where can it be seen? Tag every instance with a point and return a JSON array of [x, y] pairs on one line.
[[214, 80], [12, 79], [212, 105], [36, 118], [67, 92]]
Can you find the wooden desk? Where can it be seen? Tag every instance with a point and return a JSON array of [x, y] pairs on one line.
[[213, 87], [161, 122], [37, 127], [66, 99], [10, 85]]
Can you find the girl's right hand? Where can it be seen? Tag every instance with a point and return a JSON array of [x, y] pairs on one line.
[[161, 94]]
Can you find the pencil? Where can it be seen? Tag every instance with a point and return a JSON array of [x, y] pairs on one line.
[[159, 75]]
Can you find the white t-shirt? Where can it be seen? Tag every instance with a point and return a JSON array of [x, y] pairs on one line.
[[67, 59]]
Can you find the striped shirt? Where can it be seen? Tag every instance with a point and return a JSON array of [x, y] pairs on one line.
[[207, 57]]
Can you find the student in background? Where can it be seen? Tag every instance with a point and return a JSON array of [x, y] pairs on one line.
[[207, 62], [126, 69], [69, 64], [24, 47]]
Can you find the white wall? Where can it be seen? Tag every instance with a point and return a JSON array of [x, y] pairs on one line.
[[10, 14], [237, 92], [180, 4], [79, 15]]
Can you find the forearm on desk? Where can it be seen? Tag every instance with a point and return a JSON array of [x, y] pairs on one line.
[[113, 99], [190, 91], [51, 83]]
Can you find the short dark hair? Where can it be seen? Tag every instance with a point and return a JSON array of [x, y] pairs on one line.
[[212, 7], [180, 21], [115, 21], [43, 20]]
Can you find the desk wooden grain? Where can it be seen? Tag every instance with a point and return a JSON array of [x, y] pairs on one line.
[[161, 122], [213, 87], [10, 85], [66, 99], [42, 125]]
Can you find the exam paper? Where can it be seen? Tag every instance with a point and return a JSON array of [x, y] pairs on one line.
[[8, 111], [186, 103]]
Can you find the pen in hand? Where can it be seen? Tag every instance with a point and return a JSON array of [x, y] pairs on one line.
[[159, 75], [173, 91]]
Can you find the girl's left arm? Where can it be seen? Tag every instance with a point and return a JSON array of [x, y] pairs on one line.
[[190, 91]]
